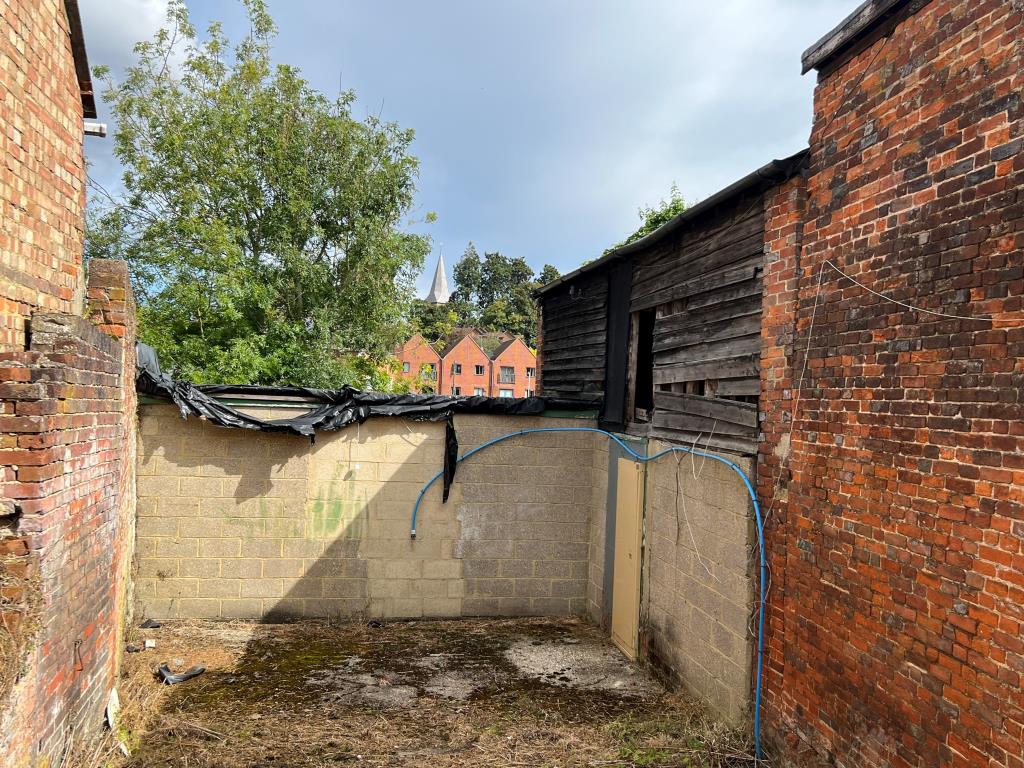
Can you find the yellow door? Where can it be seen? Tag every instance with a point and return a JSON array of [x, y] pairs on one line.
[[629, 505]]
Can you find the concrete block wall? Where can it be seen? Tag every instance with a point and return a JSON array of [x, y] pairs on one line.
[[698, 593], [238, 524], [598, 517]]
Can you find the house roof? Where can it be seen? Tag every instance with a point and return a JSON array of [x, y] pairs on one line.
[[771, 174], [505, 345], [865, 19], [81, 58], [458, 336]]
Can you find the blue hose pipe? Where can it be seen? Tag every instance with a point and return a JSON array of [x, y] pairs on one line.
[[638, 457]]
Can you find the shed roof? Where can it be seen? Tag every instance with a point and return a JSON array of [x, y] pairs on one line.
[[775, 172], [865, 19], [81, 58]]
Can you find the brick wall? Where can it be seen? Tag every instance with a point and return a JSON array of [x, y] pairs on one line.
[[897, 637], [468, 354], [418, 353], [518, 357], [240, 524], [42, 186], [699, 537], [65, 415]]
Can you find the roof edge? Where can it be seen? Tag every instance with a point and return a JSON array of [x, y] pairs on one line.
[[776, 171], [81, 59], [867, 17]]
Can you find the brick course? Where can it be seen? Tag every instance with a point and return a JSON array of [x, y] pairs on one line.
[[42, 181], [66, 418], [896, 627]]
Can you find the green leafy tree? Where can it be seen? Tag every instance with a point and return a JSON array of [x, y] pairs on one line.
[[495, 293], [263, 225], [434, 321], [468, 275], [653, 216]]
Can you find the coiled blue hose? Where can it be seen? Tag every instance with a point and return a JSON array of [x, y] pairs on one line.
[[645, 459]]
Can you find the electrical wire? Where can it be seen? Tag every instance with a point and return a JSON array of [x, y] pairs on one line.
[[985, 318], [647, 459]]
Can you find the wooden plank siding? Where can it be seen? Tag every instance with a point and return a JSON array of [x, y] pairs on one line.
[[705, 285], [574, 328]]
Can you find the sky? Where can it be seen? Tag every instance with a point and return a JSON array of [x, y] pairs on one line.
[[542, 126]]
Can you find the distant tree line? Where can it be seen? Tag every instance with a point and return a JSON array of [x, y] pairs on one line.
[[493, 293]]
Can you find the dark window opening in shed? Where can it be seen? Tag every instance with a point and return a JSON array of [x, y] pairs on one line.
[[643, 369]]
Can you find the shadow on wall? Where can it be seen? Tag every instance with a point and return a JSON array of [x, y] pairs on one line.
[[238, 524]]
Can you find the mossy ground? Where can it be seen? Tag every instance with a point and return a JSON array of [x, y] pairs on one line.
[[312, 695]]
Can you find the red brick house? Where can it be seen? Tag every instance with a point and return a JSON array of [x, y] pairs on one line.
[[513, 370], [421, 364], [464, 367]]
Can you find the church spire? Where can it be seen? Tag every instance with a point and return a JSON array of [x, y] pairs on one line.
[[439, 293]]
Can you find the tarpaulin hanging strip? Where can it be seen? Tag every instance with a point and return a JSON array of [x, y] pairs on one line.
[[335, 408]]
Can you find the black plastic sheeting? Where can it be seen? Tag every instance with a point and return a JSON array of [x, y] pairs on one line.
[[335, 408]]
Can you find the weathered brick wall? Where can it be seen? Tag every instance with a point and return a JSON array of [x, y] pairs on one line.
[[64, 417], [784, 223], [699, 537], [42, 186], [240, 524], [898, 534]]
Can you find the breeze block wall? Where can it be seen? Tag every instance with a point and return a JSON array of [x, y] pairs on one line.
[[698, 600], [67, 411], [240, 524], [897, 637], [42, 184]]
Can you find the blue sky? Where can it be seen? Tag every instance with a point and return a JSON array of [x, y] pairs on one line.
[[541, 126]]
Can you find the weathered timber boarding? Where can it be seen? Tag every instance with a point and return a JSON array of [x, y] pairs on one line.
[[574, 327], [704, 285], [680, 313]]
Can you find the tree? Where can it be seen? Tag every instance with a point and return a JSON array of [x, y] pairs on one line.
[[496, 293], [435, 322], [653, 216], [262, 223]]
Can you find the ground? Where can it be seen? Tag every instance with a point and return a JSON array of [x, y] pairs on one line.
[[534, 692]]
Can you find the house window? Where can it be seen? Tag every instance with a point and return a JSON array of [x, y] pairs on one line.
[[478, 391], [479, 370], [456, 391], [405, 367], [529, 392], [456, 368], [505, 393], [530, 372], [507, 375], [431, 372]]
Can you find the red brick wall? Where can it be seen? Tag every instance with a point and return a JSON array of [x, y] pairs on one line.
[[468, 354], [42, 179], [898, 569], [67, 433], [417, 353], [519, 357]]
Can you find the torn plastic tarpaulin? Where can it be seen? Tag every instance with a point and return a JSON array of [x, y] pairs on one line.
[[336, 408]]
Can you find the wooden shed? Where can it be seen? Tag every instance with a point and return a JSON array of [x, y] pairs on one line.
[[666, 330]]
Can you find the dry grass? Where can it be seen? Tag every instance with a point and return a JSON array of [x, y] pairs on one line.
[[20, 608], [253, 708]]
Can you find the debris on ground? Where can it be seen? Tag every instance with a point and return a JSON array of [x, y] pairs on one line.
[[170, 678], [150, 624], [482, 693]]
